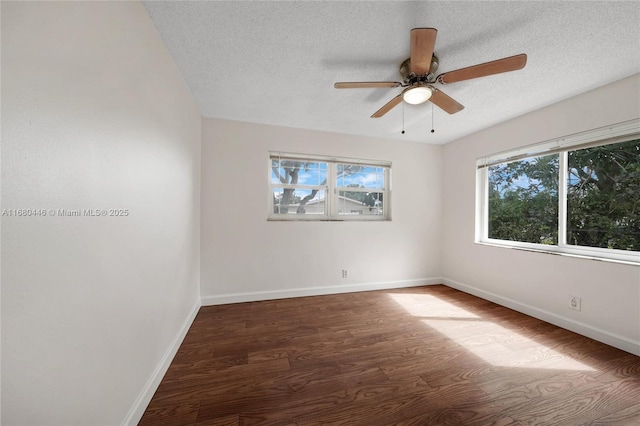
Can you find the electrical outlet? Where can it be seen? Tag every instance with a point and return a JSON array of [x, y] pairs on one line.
[[345, 273], [575, 303]]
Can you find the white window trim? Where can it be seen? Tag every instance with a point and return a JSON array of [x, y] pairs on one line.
[[331, 190], [615, 133]]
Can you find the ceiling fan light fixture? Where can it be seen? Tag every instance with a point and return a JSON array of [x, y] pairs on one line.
[[417, 95]]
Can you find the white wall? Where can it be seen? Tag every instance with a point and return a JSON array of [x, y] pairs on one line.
[[537, 283], [246, 257], [94, 115]]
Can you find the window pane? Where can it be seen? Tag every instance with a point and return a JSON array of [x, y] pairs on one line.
[[355, 176], [298, 172], [298, 201], [603, 196], [360, 203], [523, 200]]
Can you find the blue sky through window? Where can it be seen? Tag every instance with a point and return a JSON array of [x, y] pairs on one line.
[[364, 177], [314, 174]]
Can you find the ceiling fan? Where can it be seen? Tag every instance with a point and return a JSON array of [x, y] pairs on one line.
[[418, 75]]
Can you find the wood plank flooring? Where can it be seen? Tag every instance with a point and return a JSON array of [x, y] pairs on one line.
[[420, 356]]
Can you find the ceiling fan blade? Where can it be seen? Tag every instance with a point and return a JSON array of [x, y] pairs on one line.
[[511, 63], [423, 41], [387, 107], [445, 102], [364, 84]]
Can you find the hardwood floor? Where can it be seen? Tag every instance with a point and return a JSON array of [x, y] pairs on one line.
[[420, 356]]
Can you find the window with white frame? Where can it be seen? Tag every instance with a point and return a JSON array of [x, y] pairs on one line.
[[577, 195], [306, 187]]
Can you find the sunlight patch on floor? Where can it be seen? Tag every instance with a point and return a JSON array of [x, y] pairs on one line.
[[503, 347], [494, 343], [425, 305]]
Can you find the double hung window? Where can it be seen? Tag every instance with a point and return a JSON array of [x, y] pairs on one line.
[[323, 188]]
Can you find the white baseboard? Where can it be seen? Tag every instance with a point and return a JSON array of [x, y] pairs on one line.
[[141, 403], [595, 333], [222, 299]]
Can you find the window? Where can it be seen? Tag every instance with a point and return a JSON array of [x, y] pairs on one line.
[[322, 188], [603, 196], [523, 200], [578, 195]]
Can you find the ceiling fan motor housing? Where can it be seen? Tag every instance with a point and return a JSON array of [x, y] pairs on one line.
[[409, 78]]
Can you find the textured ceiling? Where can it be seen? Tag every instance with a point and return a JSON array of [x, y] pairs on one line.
[[276, 62]]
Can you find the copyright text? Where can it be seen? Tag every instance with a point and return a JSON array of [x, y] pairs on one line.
[[65, 212]]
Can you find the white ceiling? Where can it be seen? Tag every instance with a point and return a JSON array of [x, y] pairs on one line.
[[275, 62]]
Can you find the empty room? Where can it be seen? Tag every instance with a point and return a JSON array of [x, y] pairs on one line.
[[320, 212]]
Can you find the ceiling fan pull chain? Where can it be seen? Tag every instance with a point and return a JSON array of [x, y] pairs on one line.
[[432, 130], [403, 118]]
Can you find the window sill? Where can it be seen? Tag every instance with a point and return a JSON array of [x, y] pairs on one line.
[[558, 251], [324, 219]]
